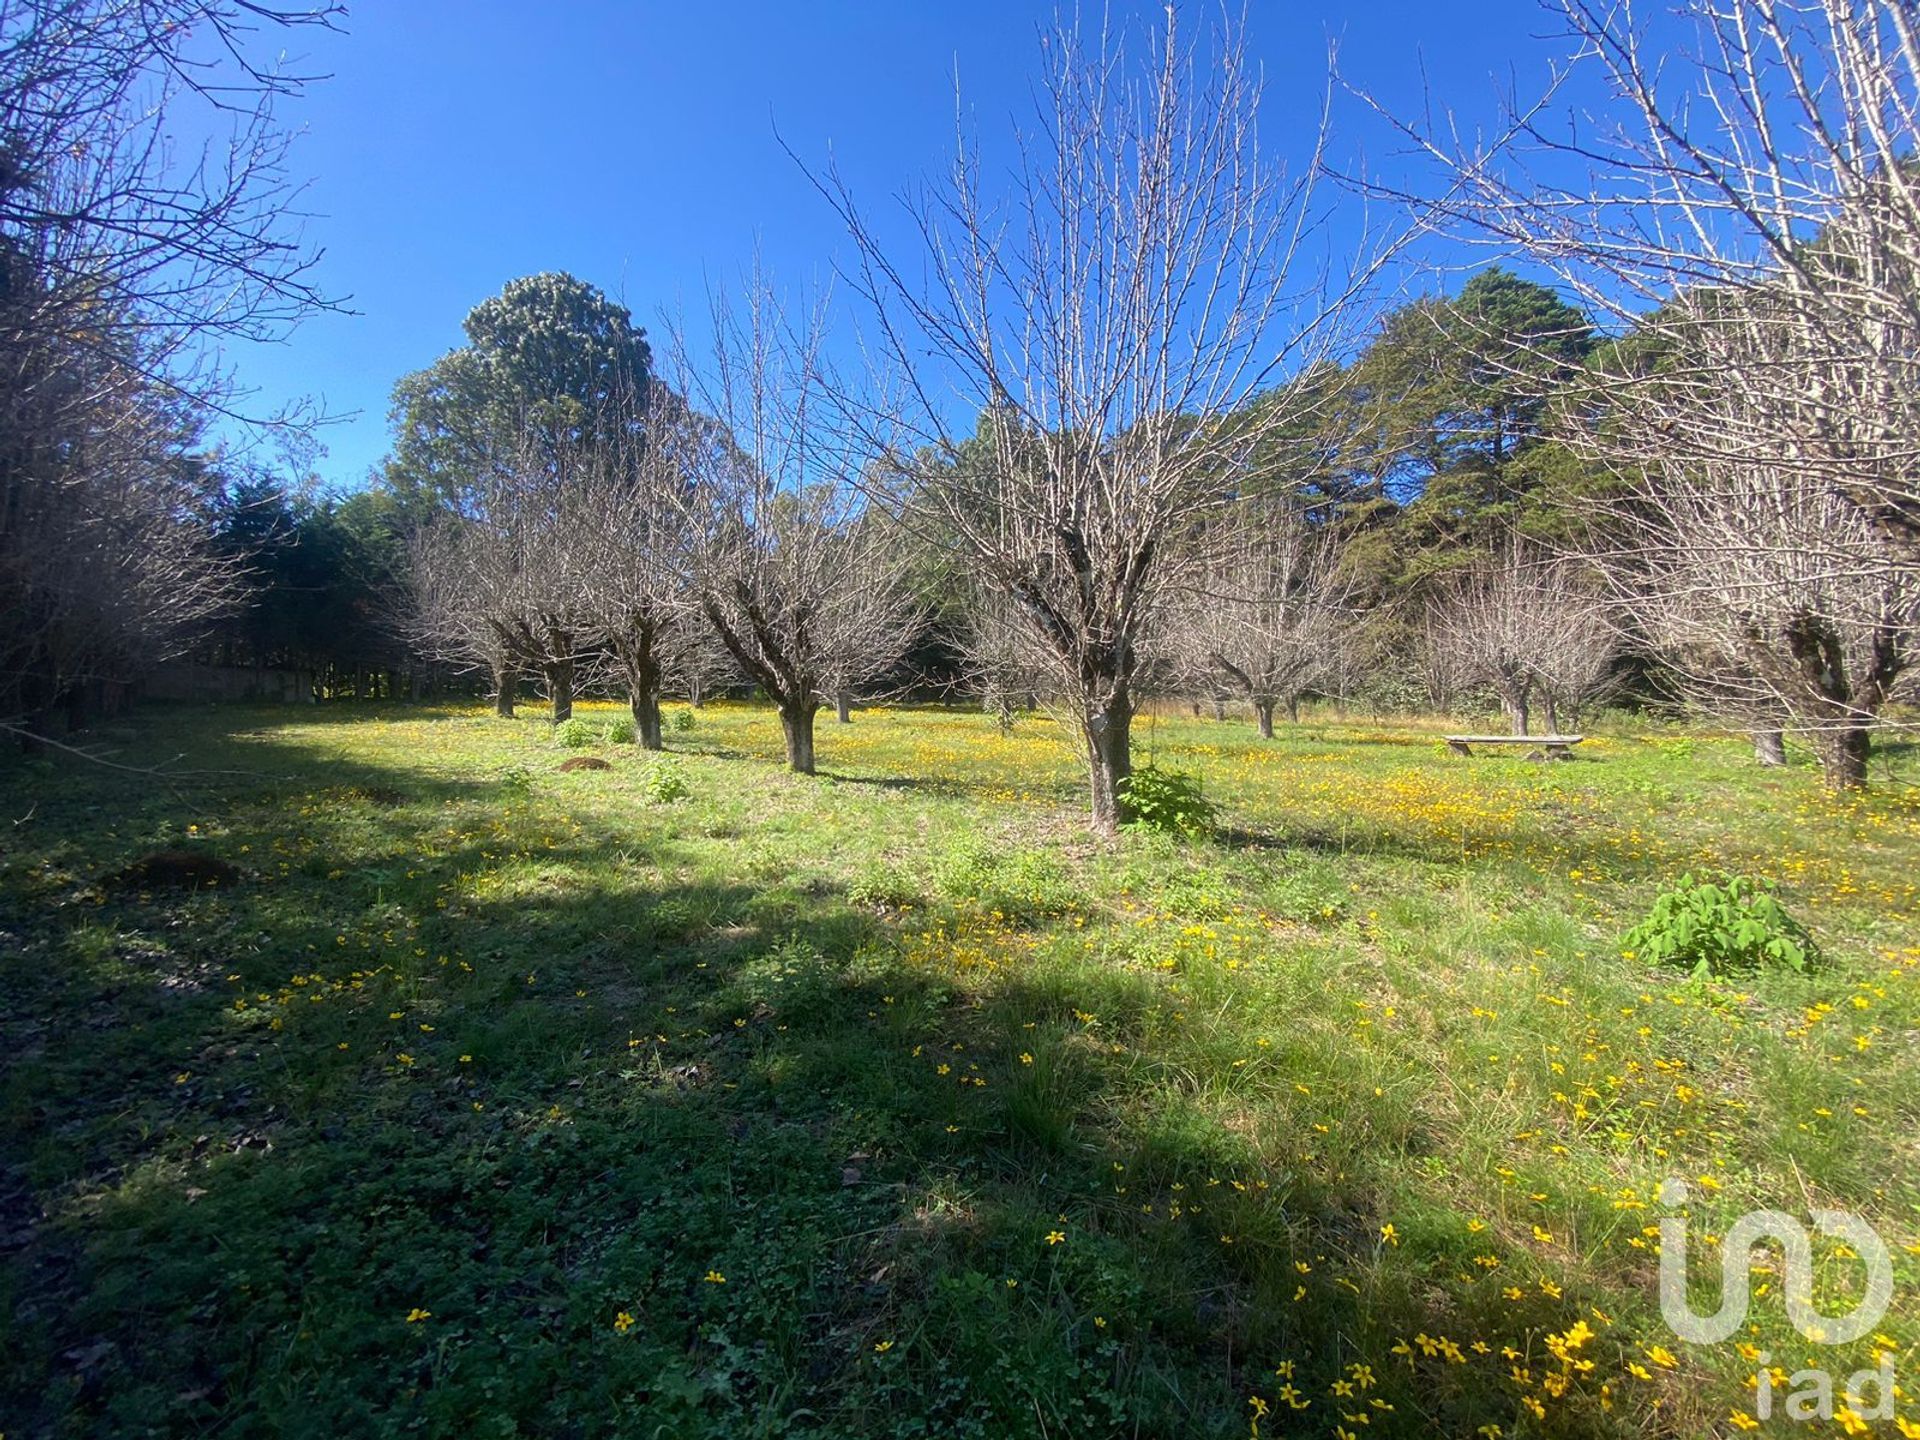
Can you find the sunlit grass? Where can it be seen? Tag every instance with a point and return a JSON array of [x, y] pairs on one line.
[[888, 1102]]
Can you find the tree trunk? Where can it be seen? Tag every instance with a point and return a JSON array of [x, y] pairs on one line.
[[1845, 739], [1219, 708], [643, 698], [696, 692], [560, 683], [1109, 730], [1843, 756], [641, 661], [1553, 713], [1263, 712], [797, 722], [1293, 709], [506, 687], [1769, 747], [843, 707], [1515, 704]]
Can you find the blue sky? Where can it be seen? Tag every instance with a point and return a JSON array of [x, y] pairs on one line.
[[460, 143]]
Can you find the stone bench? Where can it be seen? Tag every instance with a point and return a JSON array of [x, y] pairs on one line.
[[1554, 747]]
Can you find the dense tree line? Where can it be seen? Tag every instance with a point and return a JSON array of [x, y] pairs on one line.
[[123, 266], [322, 577]]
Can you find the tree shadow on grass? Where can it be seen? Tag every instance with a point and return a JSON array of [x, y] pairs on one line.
[[906, 783], [778, 1195], [584, 1147]]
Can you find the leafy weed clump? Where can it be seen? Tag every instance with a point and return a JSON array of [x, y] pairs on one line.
[[1722, 925], [1170, 801], [663, 781], [575, 734]]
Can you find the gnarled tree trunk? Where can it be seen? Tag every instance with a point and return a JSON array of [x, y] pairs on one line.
[[560, 686], [1263, 712], [506, 688], [643, 698], [1843, 752], [559, 669], [640, 659], [796, 721], [1513, 700], [1769, 747], [1109, 737]]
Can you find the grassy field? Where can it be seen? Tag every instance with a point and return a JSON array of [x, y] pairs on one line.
[[498, 1101]]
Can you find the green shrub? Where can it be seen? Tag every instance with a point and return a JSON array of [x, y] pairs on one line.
[[663, 781], [1167, 800], [680, 721], [575, 734], [1722, 925], [623, 731]]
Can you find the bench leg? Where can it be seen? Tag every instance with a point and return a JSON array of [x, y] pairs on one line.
[[1459, 748]]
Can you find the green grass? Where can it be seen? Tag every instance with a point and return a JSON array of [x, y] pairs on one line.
[[990, 1128]]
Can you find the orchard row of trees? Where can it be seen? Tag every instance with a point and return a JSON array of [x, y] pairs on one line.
[[1126, 416], [588, 513], [1119, 407]]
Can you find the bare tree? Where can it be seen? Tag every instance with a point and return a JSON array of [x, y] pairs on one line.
[[1005, 663], [505, 580], [698, 663], [632, 490], [799, 577], [440, 609], [94, 97], [1444, 665], [1749, 195], [1527, 628], [1776, 602], [1272, 610], [1750, 213], [120, 261], [1106, 331], [108, 559]]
